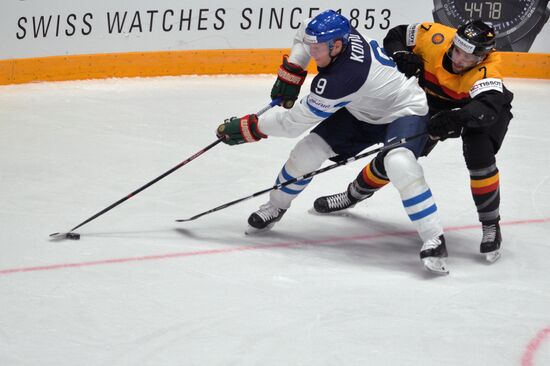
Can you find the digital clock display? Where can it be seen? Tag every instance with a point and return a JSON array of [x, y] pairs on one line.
[[505, 15]]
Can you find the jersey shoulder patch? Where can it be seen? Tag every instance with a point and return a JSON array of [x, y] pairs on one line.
[[485, 85], [412, 32], [322, 107]]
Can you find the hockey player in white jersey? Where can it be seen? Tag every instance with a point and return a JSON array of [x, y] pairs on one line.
[[358, 99]]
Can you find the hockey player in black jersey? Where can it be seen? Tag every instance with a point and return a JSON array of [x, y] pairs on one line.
[[460, 74], [357, 99]]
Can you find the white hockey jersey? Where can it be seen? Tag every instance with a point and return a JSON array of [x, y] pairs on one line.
[[362, 79]]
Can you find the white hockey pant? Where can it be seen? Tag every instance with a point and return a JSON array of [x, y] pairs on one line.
[[308, 155], [406, 174]]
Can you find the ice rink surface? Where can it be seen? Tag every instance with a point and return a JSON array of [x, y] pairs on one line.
[[140, 289]]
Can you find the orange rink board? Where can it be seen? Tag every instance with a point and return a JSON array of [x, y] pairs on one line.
[[198, 62]]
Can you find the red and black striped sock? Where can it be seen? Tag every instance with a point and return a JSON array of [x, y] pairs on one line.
[[484, 184], [371, 179]]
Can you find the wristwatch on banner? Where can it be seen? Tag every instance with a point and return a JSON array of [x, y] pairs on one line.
[[516, 23]]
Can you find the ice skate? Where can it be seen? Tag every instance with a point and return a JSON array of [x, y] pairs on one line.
[[433, 255], [490, 244], [264, 218], [336, 202]]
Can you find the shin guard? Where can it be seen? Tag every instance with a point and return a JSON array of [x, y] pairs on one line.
[[407, 176], [307, 156]]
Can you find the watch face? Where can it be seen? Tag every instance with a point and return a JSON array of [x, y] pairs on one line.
[[506, 16]]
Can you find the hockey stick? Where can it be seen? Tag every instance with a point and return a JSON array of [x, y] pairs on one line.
[[308, 175], [70, 235]]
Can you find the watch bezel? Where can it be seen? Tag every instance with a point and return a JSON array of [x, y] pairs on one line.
[[511, 36]]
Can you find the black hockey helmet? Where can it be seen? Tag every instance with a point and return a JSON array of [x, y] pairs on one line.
[[475, 37]]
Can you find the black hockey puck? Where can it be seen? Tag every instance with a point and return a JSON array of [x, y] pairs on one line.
[[73, 236]]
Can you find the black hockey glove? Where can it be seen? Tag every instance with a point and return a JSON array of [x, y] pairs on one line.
[[240, 130], [290, 78], [447, 124], [408, 63]]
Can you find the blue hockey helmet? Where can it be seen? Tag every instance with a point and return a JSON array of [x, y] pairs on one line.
[[328, 26]]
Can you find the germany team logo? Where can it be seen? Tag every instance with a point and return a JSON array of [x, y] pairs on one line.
[[438, 38]]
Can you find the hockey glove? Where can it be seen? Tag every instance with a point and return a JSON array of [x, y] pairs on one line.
[[240, 130], [290, 78], [447, 124], [408, 63]]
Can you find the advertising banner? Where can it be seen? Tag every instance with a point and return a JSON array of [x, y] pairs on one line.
[[38, 28]]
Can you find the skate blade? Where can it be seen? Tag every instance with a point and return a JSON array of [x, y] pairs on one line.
[[341, 213], [436, 265], [251, 230], [492, 257]]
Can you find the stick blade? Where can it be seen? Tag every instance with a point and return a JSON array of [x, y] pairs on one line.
[[65, 235]]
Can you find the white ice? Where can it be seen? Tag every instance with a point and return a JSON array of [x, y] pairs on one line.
[[140, 289]]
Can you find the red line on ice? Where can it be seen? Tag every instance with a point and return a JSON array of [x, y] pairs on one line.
[[245, 248], [533, 346]]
